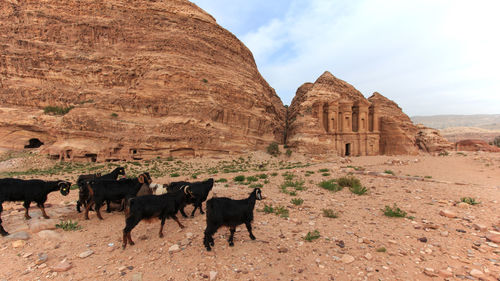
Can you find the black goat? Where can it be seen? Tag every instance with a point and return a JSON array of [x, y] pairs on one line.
[[83, 194], [200, 192], [29, 191], [150, 206], [228, 212], [103, 190]]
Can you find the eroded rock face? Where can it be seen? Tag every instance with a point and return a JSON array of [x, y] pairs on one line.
[[475, 145], [331, 116], [144, 77]]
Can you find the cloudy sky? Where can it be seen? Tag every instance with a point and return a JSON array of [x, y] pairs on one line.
[[430, 56]]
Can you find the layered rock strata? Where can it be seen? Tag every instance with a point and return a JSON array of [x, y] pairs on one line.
[[145, 78]]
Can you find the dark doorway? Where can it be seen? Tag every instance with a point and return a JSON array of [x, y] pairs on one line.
[[34, 143], [347, 149]]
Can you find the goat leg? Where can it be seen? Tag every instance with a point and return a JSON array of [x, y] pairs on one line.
[[108, 209], [201, 208], [98, 210], [130, 239], [78, 206], [194, 210], [178, 222], [26, 212], [124, 243], [232, 229], [181, 209], [161, 227], [249, 228], [87, 207], [42, 207]]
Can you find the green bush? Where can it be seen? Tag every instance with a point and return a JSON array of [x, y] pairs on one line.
[[389, 172], [469, 200], [252, 179], [297, 201], [273, 149], [330, 185], [329, 213], [279, 211], [262, 176], [57, 110], [288, 152], [221, 180], [325, 174], [394, 212], [68, 225], [239, 178], [323, 170], [381, 250], [312, 236], [114, 115], [348, 181], [358, 189], [174, 175]]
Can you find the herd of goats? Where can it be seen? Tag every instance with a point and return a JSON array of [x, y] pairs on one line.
[[140, 199]]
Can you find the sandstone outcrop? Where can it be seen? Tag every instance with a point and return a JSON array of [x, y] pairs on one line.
[[331, 116], [145, 78], [475, 145]]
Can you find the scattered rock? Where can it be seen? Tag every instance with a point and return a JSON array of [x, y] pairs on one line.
[[493, 237], [86, 254], [477, 273], [480, 227], [174, 249], [61, 267], [463, 205], [22, 235], [18, 243], [445, 273], [49, 234], [448, 214], [39, 225], [423, 239], [42, 257], [282, 250], [347, 259], [368, 256], [213, 275], [445, 233], [430, 272], [137, 276]]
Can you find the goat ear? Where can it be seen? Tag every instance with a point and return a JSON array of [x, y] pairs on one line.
[[141, 178]]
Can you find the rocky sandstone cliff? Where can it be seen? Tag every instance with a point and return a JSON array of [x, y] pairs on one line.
[[144, 77], [355, 125]]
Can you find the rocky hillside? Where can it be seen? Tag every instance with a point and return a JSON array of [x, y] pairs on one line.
[[484, 121], [142, 78]]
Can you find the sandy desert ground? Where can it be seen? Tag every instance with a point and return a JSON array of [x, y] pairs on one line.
[[360, 244]]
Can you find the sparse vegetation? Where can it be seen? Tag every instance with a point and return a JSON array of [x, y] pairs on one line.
[[443, 153], [288, 152], [174, 175], [297, 185], [312, 236], [325, 174], [394, 211], [252, 179], [381, 250], [204, 80], [114, 115], [348, 181], [57, 110], [329, 213], [69, 225], [279, 211], [239, 178], [273, 149], [221, 180], [330, 185], [358, 189], [323, 170], [297, 201], [469, 200], [389, 172]]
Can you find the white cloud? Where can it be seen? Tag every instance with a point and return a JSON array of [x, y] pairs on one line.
[[430, 56]]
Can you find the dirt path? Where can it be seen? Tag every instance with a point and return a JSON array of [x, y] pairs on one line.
[[361, 244]]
